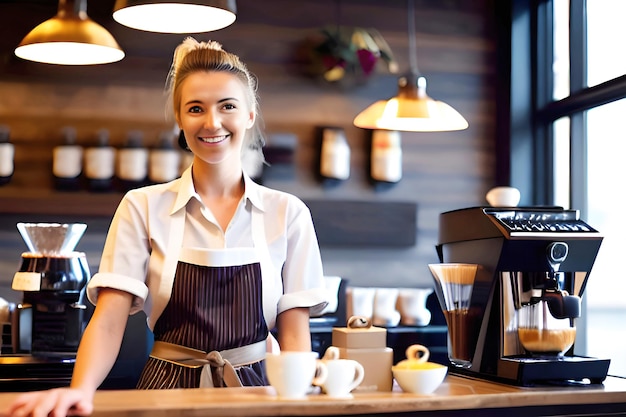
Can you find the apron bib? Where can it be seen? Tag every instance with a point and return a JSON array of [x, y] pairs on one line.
[[213, 331]]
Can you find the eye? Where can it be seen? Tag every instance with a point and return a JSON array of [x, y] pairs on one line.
[[229, 106], [195, 109]]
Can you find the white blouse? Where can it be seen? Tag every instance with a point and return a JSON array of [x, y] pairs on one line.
[[137, 245]]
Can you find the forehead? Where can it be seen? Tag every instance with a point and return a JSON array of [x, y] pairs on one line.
[[218, 84]]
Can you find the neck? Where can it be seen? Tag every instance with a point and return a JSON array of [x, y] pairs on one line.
[[217, 181]]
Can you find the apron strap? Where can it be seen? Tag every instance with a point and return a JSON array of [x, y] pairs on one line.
[[270, 295], [174, 244]]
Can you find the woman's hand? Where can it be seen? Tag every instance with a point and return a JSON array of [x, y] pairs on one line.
[[99, 347], [58, 402]]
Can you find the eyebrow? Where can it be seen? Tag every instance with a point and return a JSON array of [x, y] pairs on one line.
[[219, 101]]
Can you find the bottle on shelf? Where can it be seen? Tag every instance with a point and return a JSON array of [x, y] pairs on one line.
[[100, 164], [334, 155], [164, 160], [132, 162], [7, 155], [386, 156], [67, 162]]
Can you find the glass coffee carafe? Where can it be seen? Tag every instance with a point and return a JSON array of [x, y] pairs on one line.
[[454, 283]]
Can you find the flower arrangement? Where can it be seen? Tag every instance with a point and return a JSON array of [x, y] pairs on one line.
[[354, 53]]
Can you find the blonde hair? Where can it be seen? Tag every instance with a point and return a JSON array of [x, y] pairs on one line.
[[192, 56]]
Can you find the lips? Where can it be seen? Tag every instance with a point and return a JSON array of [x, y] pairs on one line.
[[213, 139]]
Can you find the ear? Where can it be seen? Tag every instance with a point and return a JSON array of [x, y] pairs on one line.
[[251, 120]]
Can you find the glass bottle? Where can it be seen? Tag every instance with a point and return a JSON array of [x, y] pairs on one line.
[[386, 156], [7, 154], [100, 164], [164, 160], [132, 163], [335, 155], [67, 162]]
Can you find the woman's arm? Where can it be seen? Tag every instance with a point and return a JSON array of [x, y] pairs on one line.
[[293, 330], [102, 339], [97, 352]]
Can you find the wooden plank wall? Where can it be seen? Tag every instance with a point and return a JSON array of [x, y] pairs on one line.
[[442, 171]]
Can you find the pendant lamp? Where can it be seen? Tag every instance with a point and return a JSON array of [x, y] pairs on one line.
[[70, 38], [175, 16], [411, 110]]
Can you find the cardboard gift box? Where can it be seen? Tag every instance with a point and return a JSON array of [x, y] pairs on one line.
[[366, 344]]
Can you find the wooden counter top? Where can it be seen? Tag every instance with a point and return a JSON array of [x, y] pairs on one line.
[[456, 393]]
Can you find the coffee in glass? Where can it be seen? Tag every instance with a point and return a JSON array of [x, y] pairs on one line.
[[454, 283]]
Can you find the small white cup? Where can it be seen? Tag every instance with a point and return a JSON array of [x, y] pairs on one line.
[[412, 305], [292, 373], [360, 301], [503, 197], [344, 375], [385, 313]]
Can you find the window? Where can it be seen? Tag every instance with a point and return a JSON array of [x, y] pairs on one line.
[[583, 124], [606, 309]]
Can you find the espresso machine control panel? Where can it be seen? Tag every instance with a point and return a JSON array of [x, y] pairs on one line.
[[546, 222]]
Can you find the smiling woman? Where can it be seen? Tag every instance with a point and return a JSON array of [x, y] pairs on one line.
[[216, 104], [216, 118], [244, 257]]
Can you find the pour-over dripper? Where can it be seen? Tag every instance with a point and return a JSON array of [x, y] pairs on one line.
[[51, 238], [454, 283]]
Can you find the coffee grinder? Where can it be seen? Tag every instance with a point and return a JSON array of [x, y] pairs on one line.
[[510, 284], [52, 277]]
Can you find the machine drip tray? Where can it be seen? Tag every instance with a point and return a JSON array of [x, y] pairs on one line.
[[550, 359], [530, 371]]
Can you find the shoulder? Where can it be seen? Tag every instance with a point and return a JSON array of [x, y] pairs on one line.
[[273, 199], [152, 196]]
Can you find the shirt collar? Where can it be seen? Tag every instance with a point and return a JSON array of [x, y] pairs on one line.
[[253, 192], [186, 191]]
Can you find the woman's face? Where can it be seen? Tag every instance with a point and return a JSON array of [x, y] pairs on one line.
[[215, 115]]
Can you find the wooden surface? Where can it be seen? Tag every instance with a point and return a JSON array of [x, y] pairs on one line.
[[456, 393]]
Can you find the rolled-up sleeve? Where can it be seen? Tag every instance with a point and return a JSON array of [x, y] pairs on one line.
[[303, 276], [118, 282], [126, 253]]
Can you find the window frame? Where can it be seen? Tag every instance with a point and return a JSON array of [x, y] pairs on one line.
[[526, 53], [527, 109]]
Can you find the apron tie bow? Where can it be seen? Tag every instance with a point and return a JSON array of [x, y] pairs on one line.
[[221, 370]]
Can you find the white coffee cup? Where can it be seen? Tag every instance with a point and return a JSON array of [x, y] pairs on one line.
[[360, 301], [344, 375], [385, 313], [293, 373], [412, 305]]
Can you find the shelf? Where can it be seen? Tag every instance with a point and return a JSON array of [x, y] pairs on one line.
[[14, 200]]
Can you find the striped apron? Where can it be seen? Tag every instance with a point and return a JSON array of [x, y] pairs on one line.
[[213, 332]]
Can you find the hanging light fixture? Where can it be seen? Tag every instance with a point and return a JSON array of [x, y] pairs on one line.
[[70, 38], [175, 16], [411, 110]]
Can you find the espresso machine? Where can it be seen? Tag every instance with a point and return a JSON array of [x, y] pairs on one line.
[[50, 319], [510, 284]]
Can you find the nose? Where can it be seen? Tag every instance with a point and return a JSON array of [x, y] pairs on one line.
[[212, 120]]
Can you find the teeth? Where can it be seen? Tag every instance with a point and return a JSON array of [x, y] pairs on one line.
[[213, 139]]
